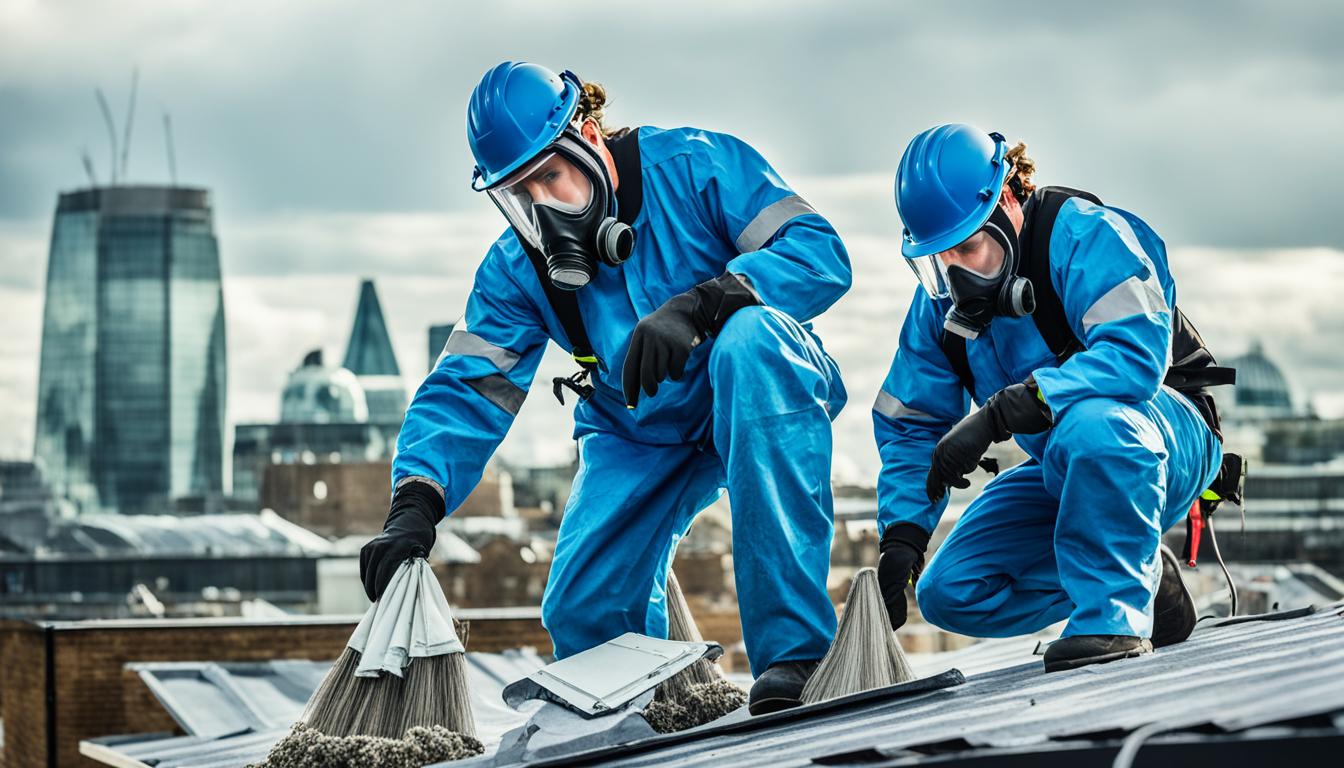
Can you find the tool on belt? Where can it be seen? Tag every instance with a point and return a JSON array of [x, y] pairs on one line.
[[1227, 486]]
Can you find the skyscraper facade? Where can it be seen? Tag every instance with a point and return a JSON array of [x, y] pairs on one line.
[[369, 356], [131, 392]]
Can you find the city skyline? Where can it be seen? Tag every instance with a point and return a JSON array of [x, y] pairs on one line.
[[364, 173]]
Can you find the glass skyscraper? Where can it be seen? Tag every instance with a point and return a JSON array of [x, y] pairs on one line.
[[369, 356], [131, 392]]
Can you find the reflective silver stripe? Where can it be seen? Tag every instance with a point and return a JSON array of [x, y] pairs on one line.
[[1132, 297], [769, 220], [469, 344], [500, 391], [894, 409], [418, 479]]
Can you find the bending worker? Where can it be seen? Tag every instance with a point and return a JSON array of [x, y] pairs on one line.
[[1055, 314], [692, 270]]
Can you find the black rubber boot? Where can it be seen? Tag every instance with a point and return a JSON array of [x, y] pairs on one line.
[[780, 686], [1173, 608], [1081, 650]]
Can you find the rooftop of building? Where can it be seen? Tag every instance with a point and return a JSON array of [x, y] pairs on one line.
[[222, 535], [1255, 688], [135, 200], [1238, 684]]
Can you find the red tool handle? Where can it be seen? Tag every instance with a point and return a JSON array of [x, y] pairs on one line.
[[1196, 528]]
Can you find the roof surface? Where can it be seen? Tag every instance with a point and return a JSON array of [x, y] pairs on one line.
[[1231, 675], [220, 535], [234, 713]]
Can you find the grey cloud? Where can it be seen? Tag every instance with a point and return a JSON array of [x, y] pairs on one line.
[[1172, 109]]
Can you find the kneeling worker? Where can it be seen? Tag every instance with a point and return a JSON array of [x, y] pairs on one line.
[[680, 271], [1057, 316]]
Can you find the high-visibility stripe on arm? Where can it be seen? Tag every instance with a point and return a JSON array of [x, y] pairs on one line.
[[499, 390], [894, 409], [766, 223], [469, 344], [1129, 298]]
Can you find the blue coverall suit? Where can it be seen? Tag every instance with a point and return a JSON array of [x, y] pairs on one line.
[[752, 412], [1071, 533]]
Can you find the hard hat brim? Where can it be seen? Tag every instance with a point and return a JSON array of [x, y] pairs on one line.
[[568, 106], [972, 224]]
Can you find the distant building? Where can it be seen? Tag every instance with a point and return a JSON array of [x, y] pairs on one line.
[[104, 565], [131, 392], [324, 419], [26, 504], [438, 339], [350, 498], [1261, 391], [349, 414], [369, 356]]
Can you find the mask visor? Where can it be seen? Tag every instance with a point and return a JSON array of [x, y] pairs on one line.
[[551, 181], [932, 275]]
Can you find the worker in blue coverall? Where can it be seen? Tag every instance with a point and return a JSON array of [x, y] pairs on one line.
[[1115, 457], [696, 270]]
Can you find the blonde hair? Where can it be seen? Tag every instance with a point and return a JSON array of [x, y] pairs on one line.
[[592, 106], [1023, 168]]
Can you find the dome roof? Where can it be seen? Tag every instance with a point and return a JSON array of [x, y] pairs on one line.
[[1260, 383], [317, 394]]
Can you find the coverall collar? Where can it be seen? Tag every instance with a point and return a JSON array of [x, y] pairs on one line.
[[630, 195]]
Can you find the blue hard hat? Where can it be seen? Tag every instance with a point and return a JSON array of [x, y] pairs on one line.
[[947, 184], [515, 112]]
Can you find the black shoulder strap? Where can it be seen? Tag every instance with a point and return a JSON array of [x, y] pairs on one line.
[[566, 307], [629, 198], [954, 347], [1039, 222], [1041, 210]]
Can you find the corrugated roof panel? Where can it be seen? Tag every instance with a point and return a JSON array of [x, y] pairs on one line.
[[262, 699], [1238, 675], [1234, 675]]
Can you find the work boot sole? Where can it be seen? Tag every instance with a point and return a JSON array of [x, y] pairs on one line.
[[1174, 622], [776, 704], [1061, 665]]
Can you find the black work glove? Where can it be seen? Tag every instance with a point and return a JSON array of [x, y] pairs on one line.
[[1013, 410], [662, 342], [408, 532], [901, 562]]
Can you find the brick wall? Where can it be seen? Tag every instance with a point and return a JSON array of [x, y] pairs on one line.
[[23, 693], [95, 696], [354, 496]]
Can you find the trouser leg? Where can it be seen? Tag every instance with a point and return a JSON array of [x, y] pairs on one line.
[[631, 503], [775, 393]]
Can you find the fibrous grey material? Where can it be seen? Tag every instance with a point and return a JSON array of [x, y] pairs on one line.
[[305, 747], [432, 692], [865, 654], [403, 667], [681, 626], [700, 703], [698, 694]]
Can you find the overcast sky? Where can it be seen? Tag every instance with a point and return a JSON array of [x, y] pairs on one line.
[[331, 135]]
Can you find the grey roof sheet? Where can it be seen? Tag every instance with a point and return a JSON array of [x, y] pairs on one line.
[[235, 712], [1231, 675], [222, 535], [1234, 675]]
